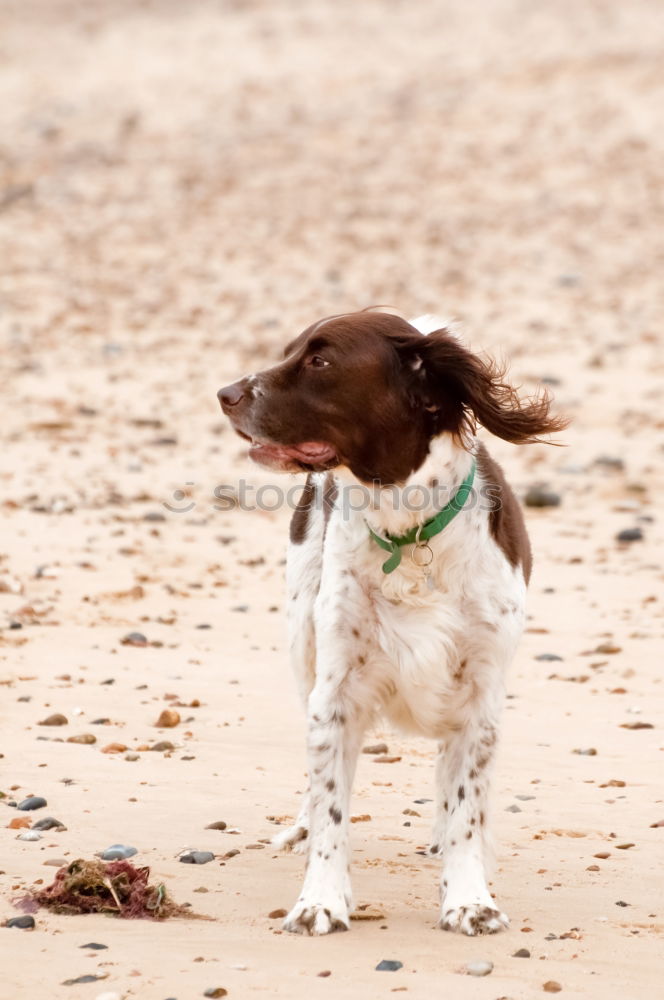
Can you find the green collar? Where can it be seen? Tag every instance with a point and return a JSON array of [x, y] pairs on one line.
[[424, 532]]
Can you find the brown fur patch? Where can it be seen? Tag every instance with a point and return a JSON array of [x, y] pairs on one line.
[[506, 523]]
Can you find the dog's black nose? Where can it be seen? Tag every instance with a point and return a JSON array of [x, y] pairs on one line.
[[231, 395]]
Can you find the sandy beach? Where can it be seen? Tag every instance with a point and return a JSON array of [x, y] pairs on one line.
[[184, 188]]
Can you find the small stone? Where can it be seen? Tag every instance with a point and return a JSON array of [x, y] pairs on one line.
[[589, 752], [29, 835], [95, 946], [231, 854], [277, 914], [134, 639], [324, 974], [163, 746], [636, 725], [57, 719], [168, 719], [621, 902], [367, 912], [389, 965], [539, 495], [610, 462], [608, 648], [376, 748], [521, 953], [114, 748], [524, 798], [56, 862], [548, 657], [603, 855], [630, 535], [32, 802], [132, 756], [551, 986], [197, 858], [624, 847], [117, 852], [89, 978], [513, 808], [481, 967], [48, 823], [86, 738], [26, 923], [217, 825], [216, 991], [386, 760], [19, 823]]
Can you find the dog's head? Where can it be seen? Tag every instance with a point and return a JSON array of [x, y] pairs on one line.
[[368, 391]]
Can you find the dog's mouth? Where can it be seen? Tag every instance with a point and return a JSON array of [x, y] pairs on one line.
[[310, 456]]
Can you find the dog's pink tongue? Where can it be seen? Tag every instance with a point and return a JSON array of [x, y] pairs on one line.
[[313, 449]]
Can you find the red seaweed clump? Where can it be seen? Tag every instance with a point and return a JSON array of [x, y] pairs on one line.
[[116, 888]]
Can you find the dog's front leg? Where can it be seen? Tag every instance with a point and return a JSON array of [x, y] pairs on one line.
[[333, 742]]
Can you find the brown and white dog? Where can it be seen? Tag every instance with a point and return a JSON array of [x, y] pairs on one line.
[[381, 414]]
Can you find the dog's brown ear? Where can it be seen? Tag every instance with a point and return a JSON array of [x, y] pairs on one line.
[[461, 389]]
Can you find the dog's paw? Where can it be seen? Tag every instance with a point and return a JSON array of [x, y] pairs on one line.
[[317, 918], [294, 838], [473, 919]]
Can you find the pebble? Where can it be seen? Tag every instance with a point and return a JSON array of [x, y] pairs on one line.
[[197, 857], [95, 946], [630, 535], [86, 738], [56, 862], [23, 923], [551, 986], [589, 752], [117, 852], [521, 953], [481, 967], [168, 718], [513, 808], [277, 914], [89, 978], [32, 802], [57, 719], [29, 835], [376, 748], [216, 991], [163, 746], [132, 756], [48, 823], [548, 657], [217, 825], [540, 496], [389, 965], [134, 639], [610, 462], [19, 823]]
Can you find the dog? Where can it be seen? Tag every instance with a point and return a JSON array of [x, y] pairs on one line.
[[407, 572]]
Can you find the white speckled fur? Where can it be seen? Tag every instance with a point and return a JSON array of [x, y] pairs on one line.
[[432, 661]]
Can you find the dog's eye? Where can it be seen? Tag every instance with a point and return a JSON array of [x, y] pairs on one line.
[[317, 361]]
